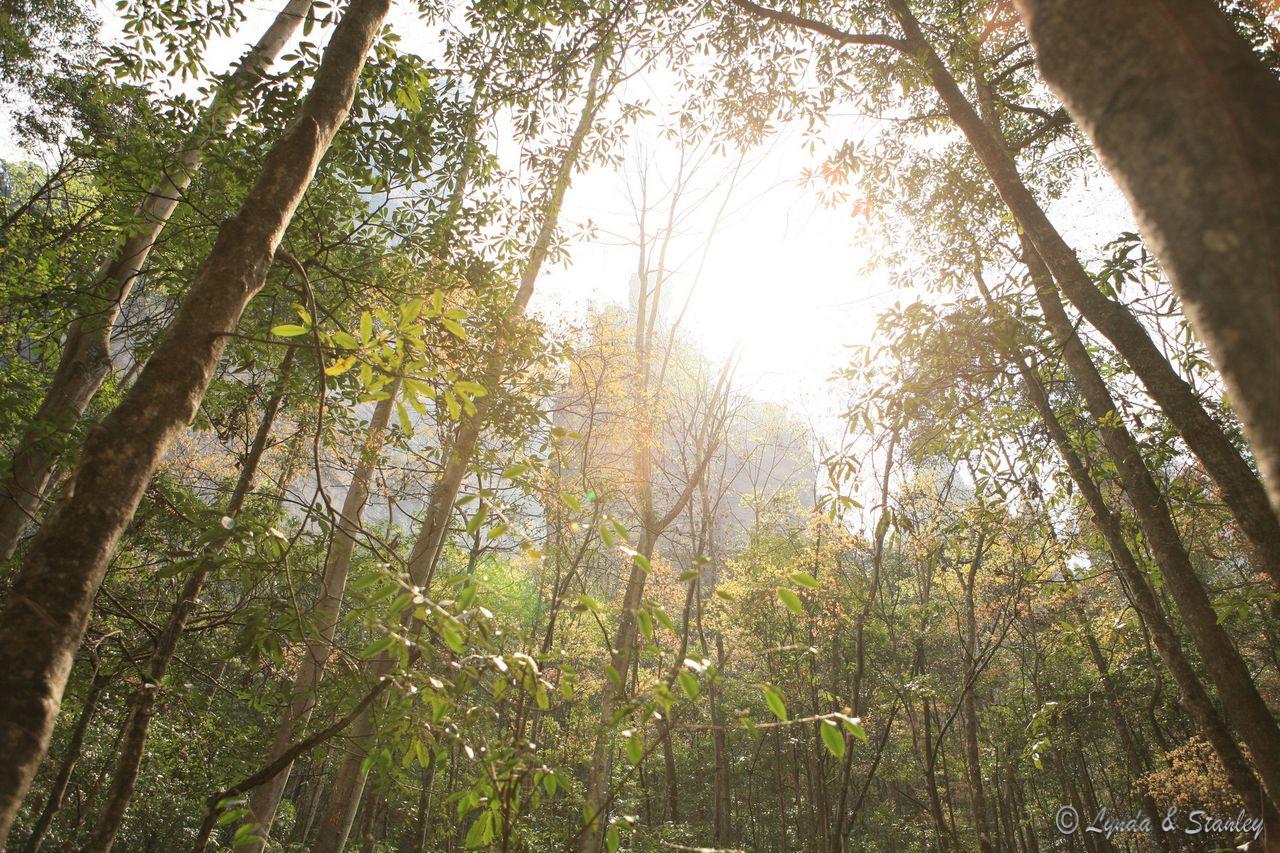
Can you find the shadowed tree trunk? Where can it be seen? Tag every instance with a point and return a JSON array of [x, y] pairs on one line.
[[1187, 120], [86, 352], [1195, 699], [137, 723], [44, 619]]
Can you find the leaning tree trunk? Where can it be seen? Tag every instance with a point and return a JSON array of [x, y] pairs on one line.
[[137, 724], [1187, 120], [44, 619], [1239, 694], [1242, 492], [86, 352], [323, 625], [1194, 698]]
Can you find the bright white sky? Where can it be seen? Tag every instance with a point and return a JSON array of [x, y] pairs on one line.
[[783, 278]]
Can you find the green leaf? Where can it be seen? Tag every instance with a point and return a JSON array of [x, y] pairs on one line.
[[635, 748], [773, 698], [791, 600], [804, 579], [481, 832], [377, 647], [688, 684], [856, 730], [832, 737], [288, 330]]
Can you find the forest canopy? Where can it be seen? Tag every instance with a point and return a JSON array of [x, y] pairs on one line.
[[604, 425]]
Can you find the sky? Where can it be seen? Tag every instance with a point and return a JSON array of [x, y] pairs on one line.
[[784, 282]]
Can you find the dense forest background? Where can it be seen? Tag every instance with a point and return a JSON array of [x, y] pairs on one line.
[[322, 527]]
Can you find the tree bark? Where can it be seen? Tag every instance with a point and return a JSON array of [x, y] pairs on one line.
[[137, 723], [1195, 699], [44, 619], [1187, 120], [323, 624], [1230, 673], [86, 352]]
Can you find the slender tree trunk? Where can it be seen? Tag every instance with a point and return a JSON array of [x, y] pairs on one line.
[[44, 619], [1241, 490], [323, 622], [142, 705], [1187, 119], [1195, 699], [1239, 694], [98, 681], [722, 798], [669, 774], [970, 707], [942, 836], [422, 828], [86, 352]]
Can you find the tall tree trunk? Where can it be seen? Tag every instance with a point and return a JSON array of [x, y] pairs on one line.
[[323, 622], [722, 798], [1241, 490], [1195, 699], [344, 795], [97, 682], [1236, 688], [142, 705], [44, 619], [86, 352], [970, 705], [1187, 120], [1137, 764]]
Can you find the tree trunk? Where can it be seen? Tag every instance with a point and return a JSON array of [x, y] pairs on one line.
[[86, 352], [719, 746], [58, 789], [1187, 120], [142, 705], [1241, 490], [44, 619], [970, 707], [1230, 673], [1195, 699], [422, 828], [324, 622], [348, 786]]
